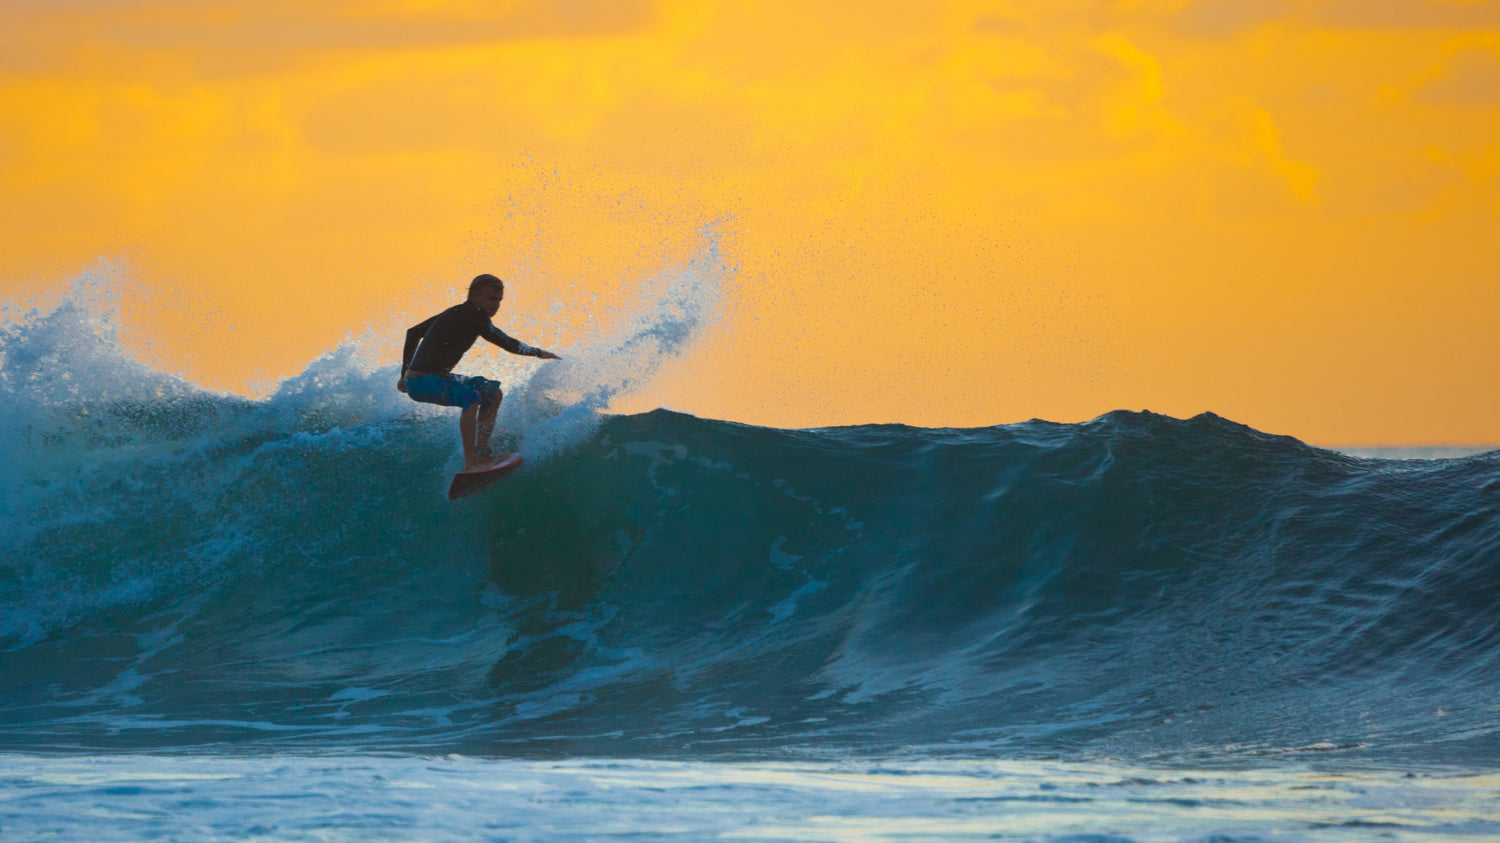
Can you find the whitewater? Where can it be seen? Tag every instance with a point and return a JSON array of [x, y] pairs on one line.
[[225, 618]]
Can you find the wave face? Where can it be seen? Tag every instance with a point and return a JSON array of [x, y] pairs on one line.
[[185, 570]]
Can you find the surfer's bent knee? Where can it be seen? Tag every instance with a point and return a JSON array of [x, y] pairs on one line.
[[486, 392]]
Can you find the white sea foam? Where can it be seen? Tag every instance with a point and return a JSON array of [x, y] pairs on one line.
[[96, 444], [92, 440], [293, 798]]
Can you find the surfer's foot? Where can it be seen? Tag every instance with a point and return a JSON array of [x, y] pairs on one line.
[[481, 463]]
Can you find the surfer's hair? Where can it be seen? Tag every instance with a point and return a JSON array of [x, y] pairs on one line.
[[485, 280]]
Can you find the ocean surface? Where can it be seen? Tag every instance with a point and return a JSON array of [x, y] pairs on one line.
[[223, 618]]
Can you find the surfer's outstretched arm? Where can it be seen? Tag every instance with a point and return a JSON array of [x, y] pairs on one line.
[[515, 346]]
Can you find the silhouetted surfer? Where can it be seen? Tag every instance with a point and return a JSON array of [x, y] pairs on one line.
[[435, 346]]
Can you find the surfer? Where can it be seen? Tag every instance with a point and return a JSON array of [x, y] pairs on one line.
[[435, 346]]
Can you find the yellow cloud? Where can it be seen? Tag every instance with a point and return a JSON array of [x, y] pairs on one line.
[[1470, 78], [254, 36], [1215, 18]]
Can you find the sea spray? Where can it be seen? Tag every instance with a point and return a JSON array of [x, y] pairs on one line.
[[560, 405]]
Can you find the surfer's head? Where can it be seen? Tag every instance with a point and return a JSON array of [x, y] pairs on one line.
[[484, 281], [485, 292]]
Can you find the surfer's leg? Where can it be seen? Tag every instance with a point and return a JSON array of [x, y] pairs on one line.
[[480, 398], [466, 430], [486, 422]]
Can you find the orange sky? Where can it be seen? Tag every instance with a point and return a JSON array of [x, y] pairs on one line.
[[968, 213]]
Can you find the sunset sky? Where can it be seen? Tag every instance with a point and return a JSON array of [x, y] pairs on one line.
[[945, 214]]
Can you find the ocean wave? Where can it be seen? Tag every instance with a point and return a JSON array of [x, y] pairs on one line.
[[182, 568]]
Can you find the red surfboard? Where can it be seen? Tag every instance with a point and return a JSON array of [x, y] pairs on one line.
[[468, 482]]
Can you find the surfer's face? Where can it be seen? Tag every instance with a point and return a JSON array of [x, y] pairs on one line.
[[488, 299]]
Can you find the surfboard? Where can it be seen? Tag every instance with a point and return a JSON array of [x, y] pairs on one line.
[[468, 482]]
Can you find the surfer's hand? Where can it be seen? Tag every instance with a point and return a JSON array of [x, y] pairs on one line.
[[401, 385], [543, 354]]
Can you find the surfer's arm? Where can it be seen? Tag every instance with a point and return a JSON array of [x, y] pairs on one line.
[[515, 346], [414, 336]]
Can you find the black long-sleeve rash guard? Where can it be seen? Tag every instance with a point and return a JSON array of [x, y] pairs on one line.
[[436, 345]]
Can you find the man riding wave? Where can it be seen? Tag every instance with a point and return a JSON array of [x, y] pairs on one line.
[[435, 346]]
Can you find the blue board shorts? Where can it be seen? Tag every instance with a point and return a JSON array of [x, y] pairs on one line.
[[451, 390]]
